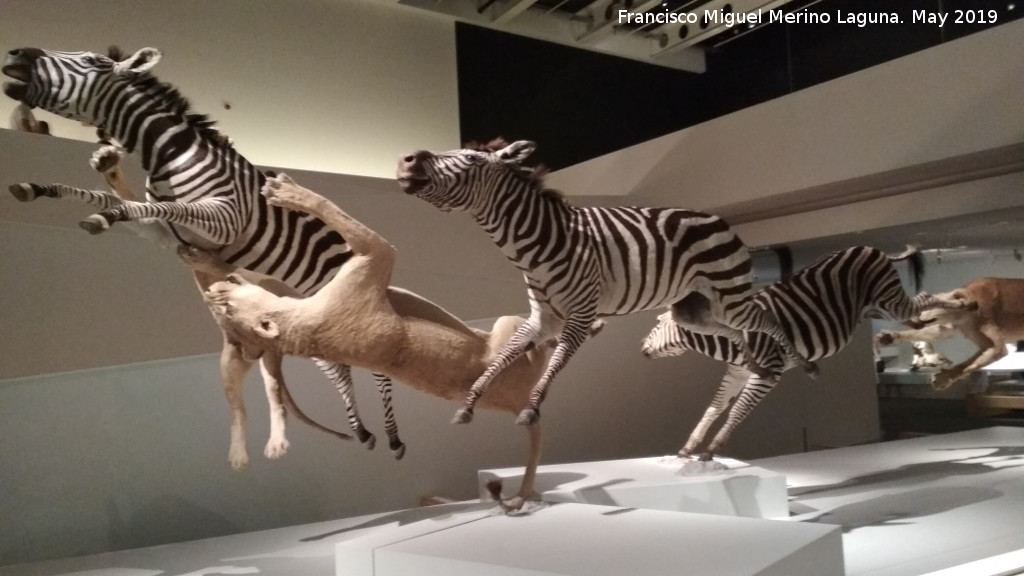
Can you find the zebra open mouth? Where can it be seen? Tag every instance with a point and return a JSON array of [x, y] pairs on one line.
[[22, 74], [412, 184]]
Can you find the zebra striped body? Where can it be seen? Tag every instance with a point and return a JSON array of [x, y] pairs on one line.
[[583, 263], [198, 185], [819, 308]]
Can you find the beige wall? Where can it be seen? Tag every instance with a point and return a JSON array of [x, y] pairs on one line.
[[959, 98], [343, 86], [136, 452]]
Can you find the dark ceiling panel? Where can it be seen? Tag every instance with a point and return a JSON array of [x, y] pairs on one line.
[[579, 104]]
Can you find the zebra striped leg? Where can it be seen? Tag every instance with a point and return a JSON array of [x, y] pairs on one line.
[[390, 424], [341, 376], [761, 320], [732, 383], [925, 301], [512, 349], [573, 334], [753, 392], [213, 219], [27, 192]]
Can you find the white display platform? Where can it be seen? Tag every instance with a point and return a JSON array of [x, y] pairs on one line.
[[949, 504], [653, 483], [914, 507], [587, 540]]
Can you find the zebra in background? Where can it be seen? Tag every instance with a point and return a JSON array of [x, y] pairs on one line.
[[204, 192], [818, 308], [583, 263]]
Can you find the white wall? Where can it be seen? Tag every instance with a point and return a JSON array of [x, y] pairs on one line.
[[341, 86], [135, 455]]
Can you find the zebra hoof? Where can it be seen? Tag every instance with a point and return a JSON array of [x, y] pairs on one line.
[[399, 452], [463, 416], [94, 224], [370, 442], [528, 417], [23, 192], [811, 368]]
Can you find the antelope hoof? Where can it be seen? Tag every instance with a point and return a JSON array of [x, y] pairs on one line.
[[463, 416], [94, 224], [528, 417], [707, 457]]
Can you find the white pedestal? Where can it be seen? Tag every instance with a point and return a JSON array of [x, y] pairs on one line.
[[586, 540], [652, 483]]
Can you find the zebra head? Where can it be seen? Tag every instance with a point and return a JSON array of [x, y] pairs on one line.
[[455, 180], [70, 84], [665, 339]]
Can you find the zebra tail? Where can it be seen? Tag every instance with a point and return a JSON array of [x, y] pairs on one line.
[[912, 253]]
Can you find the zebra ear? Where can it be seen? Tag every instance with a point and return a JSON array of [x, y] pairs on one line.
[[141, 61], [517, 151]]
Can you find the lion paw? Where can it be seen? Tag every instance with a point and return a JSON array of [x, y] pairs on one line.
[[282, 191], [276, 447]]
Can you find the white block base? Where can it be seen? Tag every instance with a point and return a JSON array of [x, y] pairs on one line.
[[586, 540], [654, 484]]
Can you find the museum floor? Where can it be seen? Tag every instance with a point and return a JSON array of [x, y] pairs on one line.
[[926, 505]]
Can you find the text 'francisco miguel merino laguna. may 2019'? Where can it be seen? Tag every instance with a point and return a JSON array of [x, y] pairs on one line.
[[860, 19]]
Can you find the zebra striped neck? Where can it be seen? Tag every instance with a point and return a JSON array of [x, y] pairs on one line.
[[513, 203]]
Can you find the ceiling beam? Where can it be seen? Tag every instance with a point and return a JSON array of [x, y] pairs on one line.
[[509, 10], [561, 28], [602, 21], [710, 20]]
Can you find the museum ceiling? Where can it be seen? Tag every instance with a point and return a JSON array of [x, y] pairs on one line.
[[670, 33]]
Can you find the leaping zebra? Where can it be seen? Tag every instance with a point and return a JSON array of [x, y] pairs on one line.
[[205, 192], [819, 308], [583, 263]]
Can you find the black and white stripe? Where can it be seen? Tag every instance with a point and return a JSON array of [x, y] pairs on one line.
[[818, 308], [584, 263], [198, 184]]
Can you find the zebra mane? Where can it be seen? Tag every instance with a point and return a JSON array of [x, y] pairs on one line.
[[535, 176], [179, 105]]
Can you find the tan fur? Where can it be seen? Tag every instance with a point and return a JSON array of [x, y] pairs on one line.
[[23, 120], [441, 358], [997, 321], [233, 364]]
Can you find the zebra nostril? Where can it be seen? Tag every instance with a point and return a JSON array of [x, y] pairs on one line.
[[409, 159]]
